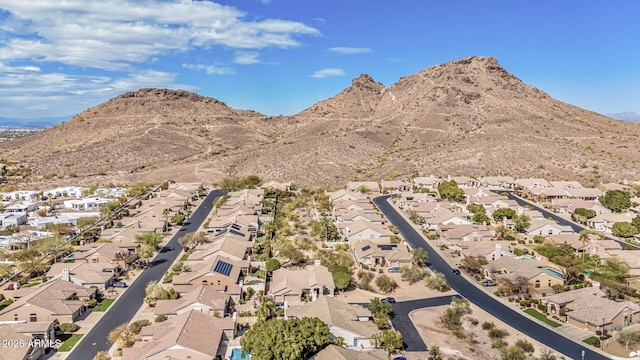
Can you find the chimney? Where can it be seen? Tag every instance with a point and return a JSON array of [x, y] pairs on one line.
[[66, 276]]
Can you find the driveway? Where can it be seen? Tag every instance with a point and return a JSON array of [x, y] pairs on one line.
[[488, 303]]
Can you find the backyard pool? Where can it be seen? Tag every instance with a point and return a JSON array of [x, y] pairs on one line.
[[554, 273], [236, 354]]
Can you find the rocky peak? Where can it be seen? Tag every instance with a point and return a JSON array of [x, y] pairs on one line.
[[167, 94], [366, 82]]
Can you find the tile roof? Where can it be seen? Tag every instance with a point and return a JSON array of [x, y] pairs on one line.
[[287, 281], [336, 313], [334, 352], [206, 295]]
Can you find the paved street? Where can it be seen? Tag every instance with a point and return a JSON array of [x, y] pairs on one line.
[[402, 323], [459, 283], [128, 303]]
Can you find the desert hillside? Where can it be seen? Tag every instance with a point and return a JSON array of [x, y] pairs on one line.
[[466, 117]]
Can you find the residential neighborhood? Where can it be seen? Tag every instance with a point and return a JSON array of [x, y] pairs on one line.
[[274, 252]]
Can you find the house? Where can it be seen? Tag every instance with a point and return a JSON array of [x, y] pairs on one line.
[[590, 309], [426, 182], [294, 286], [228, 246], [56, 300], [203, 298], [532, 183], [395, 186], [442, 216], [362, 229], [21, 207], [546, 227], [568, 206], [545, 193], [352, 216], [353, 205], [463, 233], [615, 186], [233, 291], [24, 195], [12, 219], [344, 194], [371, 254], [66, 191], [23, 239], [587, 194], [40, 222], [91, 203], [363, 186], [539, 277], [277, 185], [349, 321], [98, 275], [221, 271], [631, 258], [490, 250], [117, 253], [604, 222], [498, 182], [335, 352], [23, 349], [463, 181], [181, 337]]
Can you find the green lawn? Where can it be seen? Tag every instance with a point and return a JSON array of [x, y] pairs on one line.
[[69, 341], [104, 305], [593, 340], [5, 303], [536, 314], [32, 284]]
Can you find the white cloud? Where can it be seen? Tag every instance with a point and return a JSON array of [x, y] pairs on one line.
[[328, 72], [350, 50], [246, 57], [209, 69], [114, 34], [28, 93]]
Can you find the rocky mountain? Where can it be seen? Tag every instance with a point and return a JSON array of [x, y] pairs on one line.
[[467, 117]]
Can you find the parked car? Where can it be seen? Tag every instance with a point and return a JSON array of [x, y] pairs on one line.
[[399, 358], [388, 300], [488, 282], [456, 271], [394, 269], [120, 284]]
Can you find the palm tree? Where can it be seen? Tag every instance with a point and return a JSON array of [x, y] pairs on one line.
[[435, 353]]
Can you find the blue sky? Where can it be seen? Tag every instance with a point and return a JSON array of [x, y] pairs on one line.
[[60, 57]]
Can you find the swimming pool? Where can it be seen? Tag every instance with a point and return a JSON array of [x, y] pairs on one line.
[[555, 273], [236, 354]]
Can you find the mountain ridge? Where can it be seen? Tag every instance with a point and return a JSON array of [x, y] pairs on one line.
[[468, 116]]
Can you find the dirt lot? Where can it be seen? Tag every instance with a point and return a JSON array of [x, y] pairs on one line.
[[427, 323]]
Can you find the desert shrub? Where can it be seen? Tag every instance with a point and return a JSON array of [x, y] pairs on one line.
[[69, 327], [161, 318]]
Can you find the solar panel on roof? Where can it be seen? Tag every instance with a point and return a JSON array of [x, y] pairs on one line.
[[235, 226], [223, 268], [365, 248], [386, 247]]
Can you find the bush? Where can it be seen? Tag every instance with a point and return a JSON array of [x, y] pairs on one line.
[[542, 307], [488, 325], [161, 318], [525, 345], [496, 333], [69, 327]]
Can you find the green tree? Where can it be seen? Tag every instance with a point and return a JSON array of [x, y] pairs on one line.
[[616, 200], [624, 229], [390, 340], [341, 279], [581, 215], [107, 209], [449, 190], [434, 353], [272, 264], [149, 238], [86, 221], [420, 256], [192, 239], [54, 245], [521, 222], [502, 213], [178, 219], [386, 284], [29, 261], [636, 222], [437, 281], [627, 338], [251, 181], [378, 307], [280, 339], [291, 253]]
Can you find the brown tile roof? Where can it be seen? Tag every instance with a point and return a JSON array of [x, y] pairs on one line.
[[198, 270], [287, 281], [57, 296], [336, 313], [193, 332], [206, 295], [334, 352]]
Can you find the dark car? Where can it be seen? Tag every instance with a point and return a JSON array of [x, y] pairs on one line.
[[456, 271], [388, 300], [394, 269], [399, 358], [488, 282]]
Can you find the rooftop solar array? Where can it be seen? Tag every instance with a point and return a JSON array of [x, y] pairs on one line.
[[223, 268], [365, 248], [387, 247], [236, 232]]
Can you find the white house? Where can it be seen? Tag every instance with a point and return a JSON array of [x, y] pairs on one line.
[[21, 207], [86, 203], [14, 219], [25, 195], [67, 191]]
